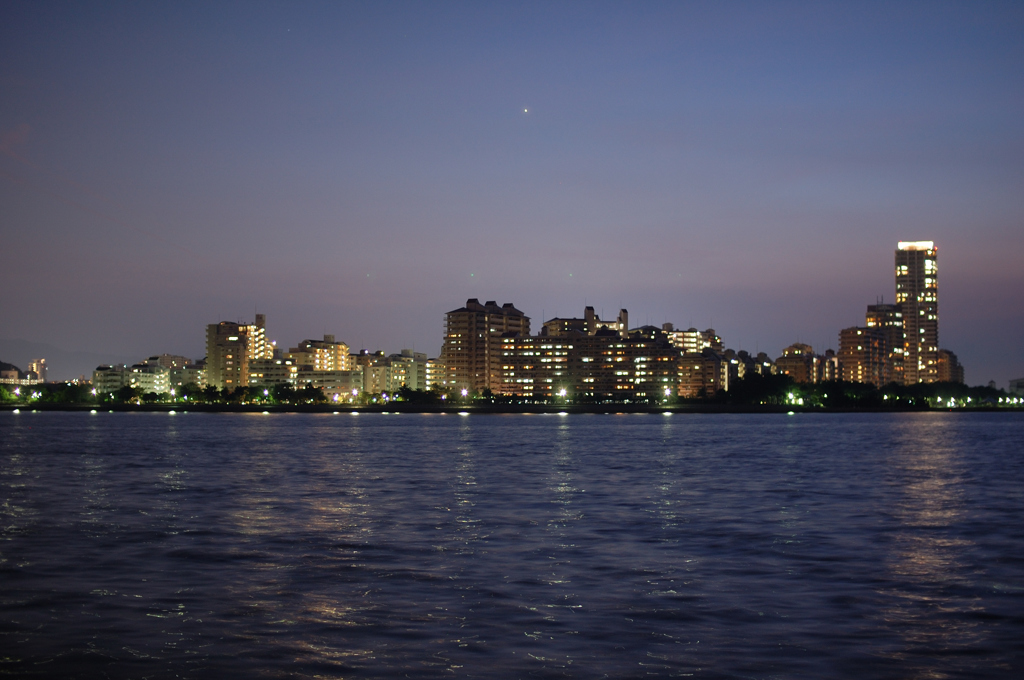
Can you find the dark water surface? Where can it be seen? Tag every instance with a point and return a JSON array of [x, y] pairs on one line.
[[713, 546]]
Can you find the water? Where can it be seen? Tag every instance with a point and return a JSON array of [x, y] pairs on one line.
[[373, 546]]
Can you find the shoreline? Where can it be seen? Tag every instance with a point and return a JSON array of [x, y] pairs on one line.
[[489, 408]]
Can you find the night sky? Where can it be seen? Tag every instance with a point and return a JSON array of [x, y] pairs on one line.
[[362, 168]]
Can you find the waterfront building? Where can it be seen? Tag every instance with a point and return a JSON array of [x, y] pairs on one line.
[[38, 370], [276, 371], [917, 286], [145, 377], [408, 369], [337, 386], [590, 324], [800, 363], [693, 341], [149, 378], [743, 364], [948, 367], [435, 375], [190, 374], [376, 378], [605, 366], [321, 355], [1017, 386], [108, 379], [12, 375], [472, 348], [864, 355], [229, 349], [889, 319], [702, 374], [168, 361], [828, 366]]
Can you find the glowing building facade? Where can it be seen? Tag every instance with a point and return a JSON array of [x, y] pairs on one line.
[[864, 355], [321, 355], [472, 350], [605, 366], [889, 320], [917, 294], [229, 349]]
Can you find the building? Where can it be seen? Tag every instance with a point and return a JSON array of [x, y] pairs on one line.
[[145, 377], [917, 294], [12, 375], [828, 366], [279, 371], [337, 386], [1017, 386], [168, 361], [374, 369], [693, 341], [37, 369], [948, 367], [605, 366], [889, 319], [436, 375], [799, 362], [190, 374], [702, 374], [864, 354], [108, 379], [229, 349], [321, 355], [472, 350], [590, 324], [408, 369], [149, 378], [742, 364]]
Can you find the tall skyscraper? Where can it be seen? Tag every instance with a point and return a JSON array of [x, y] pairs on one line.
[[917, 294]]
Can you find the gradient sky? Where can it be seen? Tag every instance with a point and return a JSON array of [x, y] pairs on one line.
[[362, 168]]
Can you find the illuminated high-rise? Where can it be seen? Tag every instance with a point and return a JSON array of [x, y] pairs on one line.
[[472, 350], [229, 349], [917, 294], [889, 320]]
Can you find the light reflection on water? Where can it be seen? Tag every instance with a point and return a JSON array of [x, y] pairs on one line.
[[511, 546], [932, 599]]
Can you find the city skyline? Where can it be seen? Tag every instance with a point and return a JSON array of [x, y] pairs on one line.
[[355, 170]]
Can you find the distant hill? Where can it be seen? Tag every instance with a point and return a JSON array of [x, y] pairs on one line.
[[4, 366], [62, 364]]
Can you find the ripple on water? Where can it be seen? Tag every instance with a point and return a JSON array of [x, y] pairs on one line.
[[883, 545]]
